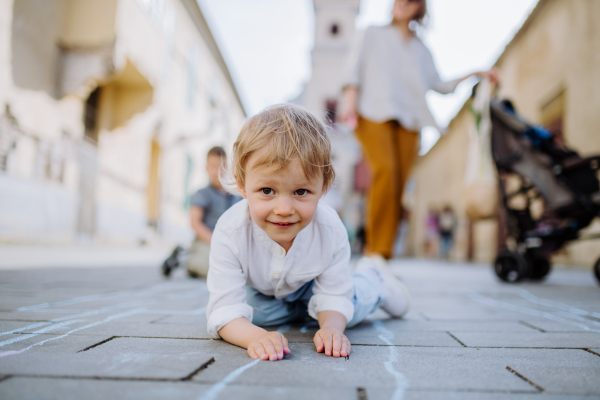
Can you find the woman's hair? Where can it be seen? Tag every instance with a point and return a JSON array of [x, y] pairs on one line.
[[421, 14], [287, 132]]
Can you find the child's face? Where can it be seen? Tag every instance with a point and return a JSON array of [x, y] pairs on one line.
[[281, 203], [213, 167]]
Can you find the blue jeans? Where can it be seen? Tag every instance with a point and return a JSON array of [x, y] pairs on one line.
[[269, 311]]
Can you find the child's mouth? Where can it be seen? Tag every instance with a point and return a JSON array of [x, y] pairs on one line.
[[283, 225]]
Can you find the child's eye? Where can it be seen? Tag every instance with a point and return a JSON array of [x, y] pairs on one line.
[[267, 191], [301, 192]]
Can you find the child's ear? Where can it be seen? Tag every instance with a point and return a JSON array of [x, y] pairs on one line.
[[240, 188]]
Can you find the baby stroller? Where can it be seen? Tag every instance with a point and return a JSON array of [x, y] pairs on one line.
[[549, 193]]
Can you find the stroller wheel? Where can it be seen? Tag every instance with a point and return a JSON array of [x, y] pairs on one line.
[[540, 267], [511, 266], [597, 270]]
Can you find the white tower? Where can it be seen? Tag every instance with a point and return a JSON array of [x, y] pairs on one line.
[[334, 32]]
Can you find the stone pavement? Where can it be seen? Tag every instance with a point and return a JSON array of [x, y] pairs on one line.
[[127, 333]]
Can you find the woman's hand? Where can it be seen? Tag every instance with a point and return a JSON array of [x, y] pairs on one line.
[[332, 342], [491, 74], [269, 346], [349, 113]]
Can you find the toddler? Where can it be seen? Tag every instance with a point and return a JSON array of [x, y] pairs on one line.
[[207, 205], [280, 255]]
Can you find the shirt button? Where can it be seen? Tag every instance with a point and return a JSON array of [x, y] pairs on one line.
[[280, 287], [276, 275], [280, 251]]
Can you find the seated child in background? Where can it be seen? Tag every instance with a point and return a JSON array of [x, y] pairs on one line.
[[207, 205], [280, 255]]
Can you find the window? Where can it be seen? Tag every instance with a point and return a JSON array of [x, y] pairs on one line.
[[90, 117], [334, 30]]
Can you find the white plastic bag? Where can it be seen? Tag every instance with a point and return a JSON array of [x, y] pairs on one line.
[[481, 181]]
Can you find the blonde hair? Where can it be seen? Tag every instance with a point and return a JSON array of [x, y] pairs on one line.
[[287, 132]]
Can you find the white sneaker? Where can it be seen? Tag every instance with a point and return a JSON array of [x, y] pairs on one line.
[[396, 300]]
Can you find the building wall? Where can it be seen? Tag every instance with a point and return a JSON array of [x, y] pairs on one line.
[[334, 33], [165, 98], [556, 54]]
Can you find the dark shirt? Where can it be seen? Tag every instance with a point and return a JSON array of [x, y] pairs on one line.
[[214, 203]]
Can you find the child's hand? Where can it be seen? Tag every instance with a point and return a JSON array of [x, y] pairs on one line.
[[332, 342], [269, 346]]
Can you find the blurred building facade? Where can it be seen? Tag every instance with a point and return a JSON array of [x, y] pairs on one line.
[[107, 111], [334, 37], [551, 72]]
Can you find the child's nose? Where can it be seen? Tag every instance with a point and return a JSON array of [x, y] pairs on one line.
[[284, 206]]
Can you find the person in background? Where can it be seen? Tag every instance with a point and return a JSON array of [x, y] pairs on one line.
[[432, 232], [447, 223], [389, 73], [207, 205]]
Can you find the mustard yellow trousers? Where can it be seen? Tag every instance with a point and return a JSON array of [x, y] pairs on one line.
[[390, 151]]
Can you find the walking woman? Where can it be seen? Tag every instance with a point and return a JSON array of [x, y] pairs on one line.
[[390, 71]]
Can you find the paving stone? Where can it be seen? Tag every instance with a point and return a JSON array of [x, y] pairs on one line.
[[177, 347], [198, 320], [417, 325], [453, 369], [569, 325], [184, 331], [124, 360], [66, 389], [134, 318], [125, 365], [450, 311], [70, 344], [6, 326], [441, 304], [402, 325], [29, 316], [573, 375], [532, 339], [444, 395], [365, 333]]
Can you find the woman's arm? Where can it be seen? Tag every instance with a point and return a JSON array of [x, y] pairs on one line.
[[352, 78], [349, 112], [491, 74], [443, 87]]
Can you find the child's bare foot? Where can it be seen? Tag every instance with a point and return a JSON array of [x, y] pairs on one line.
[[269, 346], [332, 342]]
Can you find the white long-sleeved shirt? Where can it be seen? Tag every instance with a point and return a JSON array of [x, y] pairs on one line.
[[393, 76], [243, 254]]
